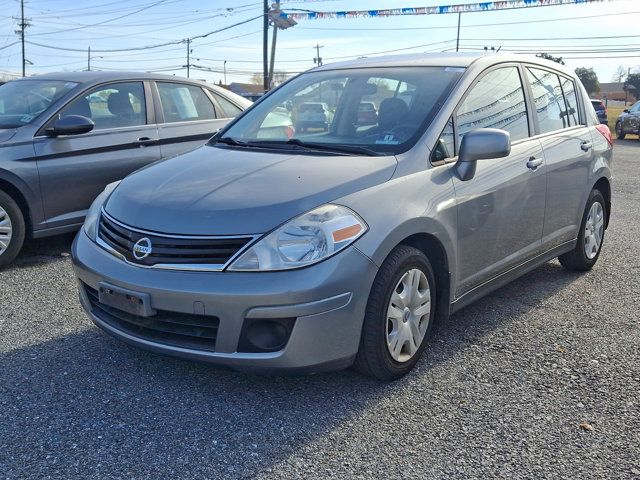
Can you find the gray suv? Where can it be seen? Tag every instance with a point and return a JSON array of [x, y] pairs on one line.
[[323, 249], [65, 136]]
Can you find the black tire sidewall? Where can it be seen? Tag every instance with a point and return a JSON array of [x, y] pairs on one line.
[[619, 132], [18, 226], [376, 316]]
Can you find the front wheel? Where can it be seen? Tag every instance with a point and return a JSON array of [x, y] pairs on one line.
[[587, 250], [619, 132], [12, 229], [399, 315]]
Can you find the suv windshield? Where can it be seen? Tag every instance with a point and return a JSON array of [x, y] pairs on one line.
[[21, 101], [324, 110]]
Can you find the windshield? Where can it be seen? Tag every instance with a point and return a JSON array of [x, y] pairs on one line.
[[379, 110], [21, 101]]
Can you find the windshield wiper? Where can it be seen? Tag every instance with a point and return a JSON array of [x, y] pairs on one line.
[[338, 148], [310, 146], [231, 141]]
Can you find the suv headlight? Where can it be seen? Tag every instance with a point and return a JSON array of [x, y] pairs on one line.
[[93, 214], [305, 240]]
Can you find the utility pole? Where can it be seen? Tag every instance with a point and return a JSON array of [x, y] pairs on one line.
[[224, 67], [318, 59], [23, 25], [88, 58], [458, 35], [265, 46], [188, 56], [273, 46]]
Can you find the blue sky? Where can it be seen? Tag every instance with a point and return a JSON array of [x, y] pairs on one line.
[[124, 24]]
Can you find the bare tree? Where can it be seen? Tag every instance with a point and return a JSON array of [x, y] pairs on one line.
[[620, 74]]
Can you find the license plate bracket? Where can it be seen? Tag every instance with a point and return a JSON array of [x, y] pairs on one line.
[[129, 301]]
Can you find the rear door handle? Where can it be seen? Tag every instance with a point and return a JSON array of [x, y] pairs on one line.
[[146, 141], [585, 145], [534, 163]]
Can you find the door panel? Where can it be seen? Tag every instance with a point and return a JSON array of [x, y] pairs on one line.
[[567, 175], [177, 138], [501, 209], [500, 215], [74, 169], [568, 153]]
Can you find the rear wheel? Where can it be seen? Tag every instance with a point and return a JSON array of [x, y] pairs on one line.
[[587, 250], [619, 132], [12, 229], [399, 315]]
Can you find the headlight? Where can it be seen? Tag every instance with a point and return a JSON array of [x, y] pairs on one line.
[[305, 240], [93, 214]]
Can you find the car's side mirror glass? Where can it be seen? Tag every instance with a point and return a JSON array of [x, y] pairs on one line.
[[481, 144], [70, 125]]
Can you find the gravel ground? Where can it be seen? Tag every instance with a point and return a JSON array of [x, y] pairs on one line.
[[501, 391]]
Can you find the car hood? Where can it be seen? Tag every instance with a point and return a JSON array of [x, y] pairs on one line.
[[224, 191]]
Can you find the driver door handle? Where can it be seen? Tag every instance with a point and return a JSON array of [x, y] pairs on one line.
[[147, 141], [585, 145], [534, 163]]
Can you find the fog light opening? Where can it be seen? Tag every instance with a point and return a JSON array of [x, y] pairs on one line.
[[265, 335]]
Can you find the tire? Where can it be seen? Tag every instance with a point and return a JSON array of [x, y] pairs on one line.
[[585, 254], [619, 132], [12, 229], [374, 357]]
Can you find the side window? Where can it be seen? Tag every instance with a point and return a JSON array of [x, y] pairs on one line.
[[569, 90], [183, 103], [111, 106], [547, 94], [228, 108], [445, 146], [496, 101], [635, 108]]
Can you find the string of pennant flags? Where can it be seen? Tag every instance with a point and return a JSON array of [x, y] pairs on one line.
[[434, 10]]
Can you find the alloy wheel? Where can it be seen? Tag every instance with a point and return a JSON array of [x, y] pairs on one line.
[[408, 315], [593, 230], [6, 230]]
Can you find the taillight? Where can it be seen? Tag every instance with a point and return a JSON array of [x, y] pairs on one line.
[[606, 133]]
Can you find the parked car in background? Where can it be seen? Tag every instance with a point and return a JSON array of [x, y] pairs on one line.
[[628, 121], [64, 136], [367, 113], [332, 248], [601, 110]]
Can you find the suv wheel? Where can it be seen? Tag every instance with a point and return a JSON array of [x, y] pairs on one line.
[[12, 229], [619, 132], [399, 315], [587, 250]]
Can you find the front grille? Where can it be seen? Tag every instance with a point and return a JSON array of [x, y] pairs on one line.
[[170, 250], [169, 328]]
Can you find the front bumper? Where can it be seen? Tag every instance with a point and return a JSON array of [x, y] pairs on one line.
[[327, 300]]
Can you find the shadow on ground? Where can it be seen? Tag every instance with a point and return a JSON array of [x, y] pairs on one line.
[[86, 405]]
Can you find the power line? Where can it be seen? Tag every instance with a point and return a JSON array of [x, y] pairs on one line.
[[147, 47], [104, 21]]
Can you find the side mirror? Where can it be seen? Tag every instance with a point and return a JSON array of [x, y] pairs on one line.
[[70, 125], [626, 110], [481, 144]]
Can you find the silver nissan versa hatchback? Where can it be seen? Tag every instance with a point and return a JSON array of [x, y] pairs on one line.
[[342, 242]]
